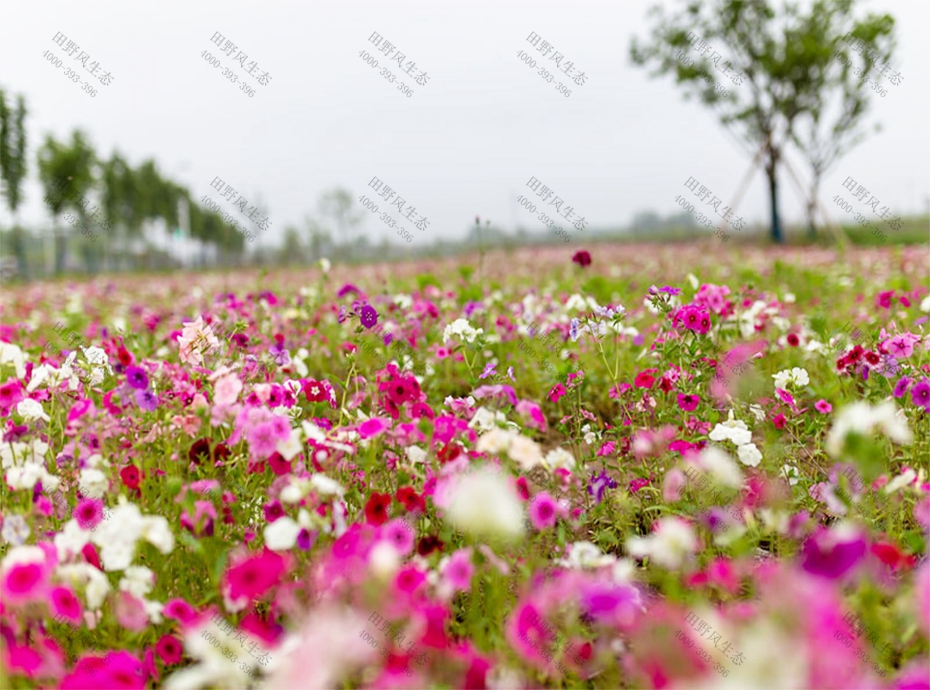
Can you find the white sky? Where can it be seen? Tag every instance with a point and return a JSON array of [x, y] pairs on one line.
[[464, 144]]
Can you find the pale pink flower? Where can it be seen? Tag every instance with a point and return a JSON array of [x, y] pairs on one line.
[[458, 570], [672, 485], [227, 389], [196, 339]]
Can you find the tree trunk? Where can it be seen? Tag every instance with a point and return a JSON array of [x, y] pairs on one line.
[[812, 207], [771, 170]]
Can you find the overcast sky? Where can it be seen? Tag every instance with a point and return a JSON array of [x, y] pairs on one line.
[[466, 143]]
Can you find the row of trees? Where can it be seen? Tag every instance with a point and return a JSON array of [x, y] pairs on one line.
[[129, 198], [805, 78]]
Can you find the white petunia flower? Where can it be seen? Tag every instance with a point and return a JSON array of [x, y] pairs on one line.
[[749, 454], [11, 354], [93, 482], [70, 540], [584, 554], [559, 457], [416, 455], [485, 504], [734, 430], [791, 473], [137, 580], [906, 478], [461, 329], [281, 535], [326, 486], [495, 441], [670, 545], [861, 418], [721, 467], [31, 410], [525, 451]]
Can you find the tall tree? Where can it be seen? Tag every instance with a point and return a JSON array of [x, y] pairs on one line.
[[67, 175], [338, 205], [770, 63], [847, 58], [13, 167]]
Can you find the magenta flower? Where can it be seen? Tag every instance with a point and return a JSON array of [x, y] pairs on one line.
[[920, 394], [688, 403], [89, 513], [179, 610], [823, 407], [373, 427], [65, 604], [399, 535], [901, 387], [544, 511], [832, 553], [253, 577], [558, 390], [23, 582], [137, 378], [368, 316]]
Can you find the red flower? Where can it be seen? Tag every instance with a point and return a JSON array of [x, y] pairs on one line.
[[124, 356], [793, 339], [314, 391], [200, 451], [411, 499], [582, 258], [449, 452], [131, 477], [872, 358], [278, 464], [428, 544], [892, 556], [376, 508], [644, 379]]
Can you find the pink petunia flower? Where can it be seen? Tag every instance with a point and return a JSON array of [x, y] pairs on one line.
[[688, 403], [544, 510], [823, 407], [65, 604], [458, 570], [179, 610], [398, 534], [373, 427], [22, 582], [89, 513], [254, 576]]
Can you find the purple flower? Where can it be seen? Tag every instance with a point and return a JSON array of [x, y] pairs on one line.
[[668, 289], [346, 289], [137, 378], [831, 553], [368, 316], [920, 394], [901, 387], [306, 539], [281, 356], [147, 400], [598, 484]]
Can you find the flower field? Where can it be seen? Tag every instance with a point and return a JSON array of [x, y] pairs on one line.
[[640, 467]]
